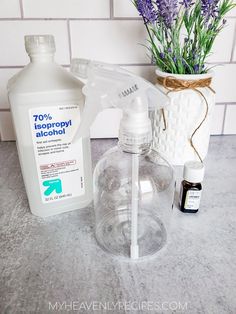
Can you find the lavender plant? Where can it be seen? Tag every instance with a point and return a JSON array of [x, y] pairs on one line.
[[181, 33]]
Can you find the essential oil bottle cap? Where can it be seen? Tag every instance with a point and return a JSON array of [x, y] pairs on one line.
[[39, 44], [194, 171]]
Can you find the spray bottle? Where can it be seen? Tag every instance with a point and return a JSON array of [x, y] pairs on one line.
[[133, 184], [46, 104]]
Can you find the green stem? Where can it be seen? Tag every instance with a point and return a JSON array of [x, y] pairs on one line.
[[151, 39]]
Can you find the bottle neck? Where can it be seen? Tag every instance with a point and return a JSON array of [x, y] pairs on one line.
[[136, 140], [191, 184], [134, 149], [42, 57]]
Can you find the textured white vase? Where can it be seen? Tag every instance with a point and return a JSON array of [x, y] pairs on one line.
[[183, 116]]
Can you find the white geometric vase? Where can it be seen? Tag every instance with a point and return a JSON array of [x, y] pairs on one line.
[[183, 116]]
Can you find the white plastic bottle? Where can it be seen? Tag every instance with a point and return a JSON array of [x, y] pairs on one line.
[[46, 104]]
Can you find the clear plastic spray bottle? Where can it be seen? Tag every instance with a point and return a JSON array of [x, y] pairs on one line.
[[133, 184]]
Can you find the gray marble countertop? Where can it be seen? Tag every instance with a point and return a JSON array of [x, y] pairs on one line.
[[55, 265]]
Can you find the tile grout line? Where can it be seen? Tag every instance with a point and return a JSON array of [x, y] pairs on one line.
[[72, 18], [224, 118], [3, 67], [131, 18], [217, 104], [120, 64], [69, 39], [67, 65], [221, 63], [234, 44], [77, 18], [21, 9], [54, 19], [223, 103], [135, 64]]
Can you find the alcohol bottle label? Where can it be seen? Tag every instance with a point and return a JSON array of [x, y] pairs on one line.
[[59, 160], [192, 200]]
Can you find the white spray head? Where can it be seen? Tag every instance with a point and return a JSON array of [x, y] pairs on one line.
[[109, 86]]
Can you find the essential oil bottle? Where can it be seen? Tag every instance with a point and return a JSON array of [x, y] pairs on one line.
[[191, 187]]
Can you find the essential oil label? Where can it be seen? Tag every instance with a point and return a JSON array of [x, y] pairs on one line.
[[192, 201], [59, 160]]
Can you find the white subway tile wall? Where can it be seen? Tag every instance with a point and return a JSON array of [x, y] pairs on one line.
[[66, 9], [106, 30], [10, 9], [232, 13], [230, 120], [109, 41], [224, 83], [223, 45], [6, 127], [5, 75], [217, 120], [124, 9], [12, 52]]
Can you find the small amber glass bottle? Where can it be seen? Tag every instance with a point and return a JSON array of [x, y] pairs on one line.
[[191, 187]]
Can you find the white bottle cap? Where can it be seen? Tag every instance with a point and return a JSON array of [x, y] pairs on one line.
[[39, 44], [194, 171]]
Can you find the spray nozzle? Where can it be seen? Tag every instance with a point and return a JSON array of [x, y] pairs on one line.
[[109, 86]]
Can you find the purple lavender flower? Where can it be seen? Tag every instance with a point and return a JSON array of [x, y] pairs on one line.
[[147, 11], [167, 11], [209, 9], [210, 26], [196, 68], [187, 3]]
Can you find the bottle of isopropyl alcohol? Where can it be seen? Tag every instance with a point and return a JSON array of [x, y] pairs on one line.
[[46, 104]]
